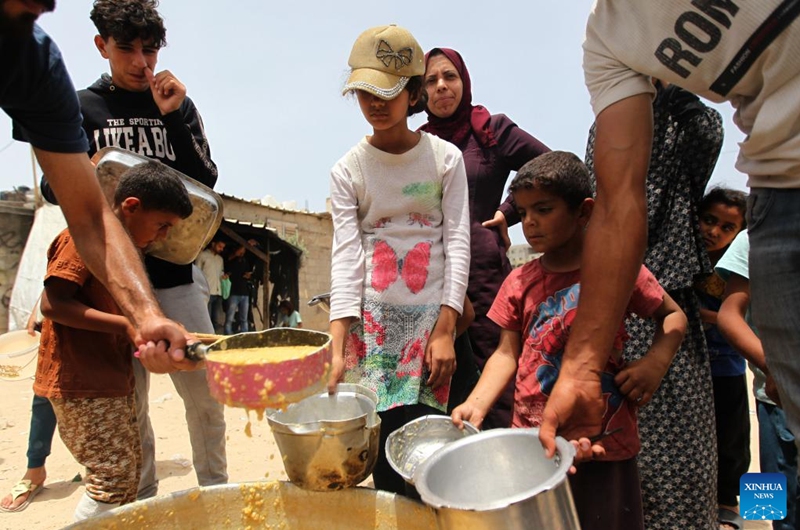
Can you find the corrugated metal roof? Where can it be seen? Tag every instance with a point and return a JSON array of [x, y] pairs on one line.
[[257, 202], [261, 226]]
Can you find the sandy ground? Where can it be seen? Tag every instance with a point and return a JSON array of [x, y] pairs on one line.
[[249, 459]]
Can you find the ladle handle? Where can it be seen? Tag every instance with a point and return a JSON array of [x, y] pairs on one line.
[[196, 351]]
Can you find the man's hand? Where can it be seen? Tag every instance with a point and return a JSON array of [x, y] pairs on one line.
[[585, 451], [499, 221], [168, 91], [574, 409], [161, 346]]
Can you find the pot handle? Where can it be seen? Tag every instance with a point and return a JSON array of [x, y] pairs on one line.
[[196, 351]]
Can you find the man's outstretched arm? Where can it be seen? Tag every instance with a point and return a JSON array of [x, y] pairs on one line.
[[612, 255]]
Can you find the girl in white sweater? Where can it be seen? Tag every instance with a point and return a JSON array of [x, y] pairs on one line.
[[400, 258]]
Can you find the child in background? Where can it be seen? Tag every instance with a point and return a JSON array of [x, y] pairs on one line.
[[400, 257], [777, 451], [288, 317], [535, 309], [722, 216], [85, 363]]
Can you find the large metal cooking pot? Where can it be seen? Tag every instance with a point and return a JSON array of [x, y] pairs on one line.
[[267, 505], [329, 442], [189, 236], [265, 384], [499, 479]]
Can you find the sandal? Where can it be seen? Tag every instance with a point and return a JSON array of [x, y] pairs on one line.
[[729, 519], [21, 488]]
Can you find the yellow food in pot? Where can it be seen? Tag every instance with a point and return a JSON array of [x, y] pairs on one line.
[[247, 356]]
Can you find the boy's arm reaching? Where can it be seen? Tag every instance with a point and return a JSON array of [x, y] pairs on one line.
[[499, 369], [733, 325], [640, 379], [60, 305]]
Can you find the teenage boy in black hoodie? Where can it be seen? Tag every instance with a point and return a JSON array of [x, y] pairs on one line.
[[148, 113]]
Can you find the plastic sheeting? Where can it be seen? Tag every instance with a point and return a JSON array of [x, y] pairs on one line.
[[48, 222]]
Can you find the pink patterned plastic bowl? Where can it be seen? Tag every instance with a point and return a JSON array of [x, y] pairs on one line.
[[267, 384]]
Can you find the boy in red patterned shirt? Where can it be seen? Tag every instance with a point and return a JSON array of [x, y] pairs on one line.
[[535, 309]]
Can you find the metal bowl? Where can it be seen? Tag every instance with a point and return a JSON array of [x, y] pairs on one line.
[[413, 443], [189, 236], [499, 479], [276, 505], [329, 442]]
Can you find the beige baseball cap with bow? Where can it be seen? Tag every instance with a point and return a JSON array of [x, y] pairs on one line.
[[382, 60]]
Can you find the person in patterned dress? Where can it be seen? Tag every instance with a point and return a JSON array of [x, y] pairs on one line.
[[400, 258], [678, 459]]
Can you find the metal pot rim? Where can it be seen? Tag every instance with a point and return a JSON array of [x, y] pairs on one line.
[[277, 418], [565, 454], [469, 430]]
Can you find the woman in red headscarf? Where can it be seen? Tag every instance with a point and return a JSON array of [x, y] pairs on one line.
[[493, 146]]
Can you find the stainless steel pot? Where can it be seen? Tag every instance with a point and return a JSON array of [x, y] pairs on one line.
[[189, 236], [267, 505], [329, 442], [499, 479]]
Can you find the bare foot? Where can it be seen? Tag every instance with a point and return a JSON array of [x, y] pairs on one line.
[[37, 476]]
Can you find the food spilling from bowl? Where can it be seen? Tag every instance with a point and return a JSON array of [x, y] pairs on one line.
[[265, 369], [329, 442]]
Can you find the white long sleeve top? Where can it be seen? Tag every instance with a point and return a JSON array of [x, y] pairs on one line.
[[401, 227]]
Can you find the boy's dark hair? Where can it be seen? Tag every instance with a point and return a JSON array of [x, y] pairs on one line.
[[286, 304], [128, 20], [558, 172], [416, 88], [157, 190], [728, 197]]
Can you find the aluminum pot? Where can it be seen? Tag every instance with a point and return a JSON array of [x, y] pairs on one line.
[[499, 479], [408, 447], [189, 236], [329, 442], [265, 384], [268, 505]]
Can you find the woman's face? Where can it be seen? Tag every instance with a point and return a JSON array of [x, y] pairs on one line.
[[444, 86]]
